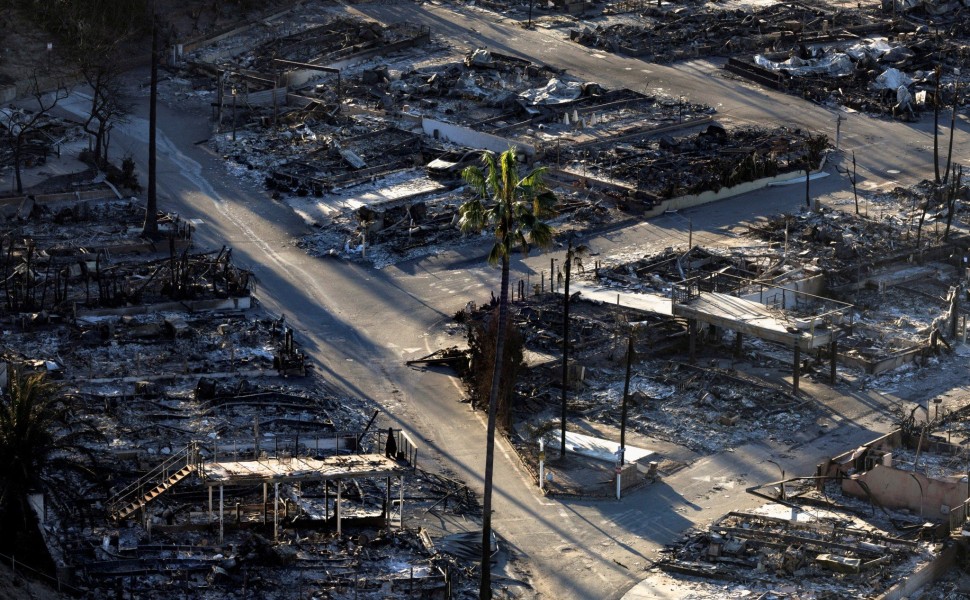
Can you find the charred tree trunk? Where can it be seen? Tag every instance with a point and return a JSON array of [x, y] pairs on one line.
[[951, 201]]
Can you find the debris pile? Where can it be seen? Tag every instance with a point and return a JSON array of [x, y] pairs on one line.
[[709, 160], [703, 408], [677, 32], [844, 247], [829, 553], [168, 373], [877, 59], [885, 76]]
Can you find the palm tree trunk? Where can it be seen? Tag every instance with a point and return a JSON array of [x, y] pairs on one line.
[[485, 588]]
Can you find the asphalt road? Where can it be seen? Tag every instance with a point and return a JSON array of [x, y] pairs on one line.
[[359, 325]]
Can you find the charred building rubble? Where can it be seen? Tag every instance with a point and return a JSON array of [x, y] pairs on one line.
[[349, 118], [213, 451], [872, 58]]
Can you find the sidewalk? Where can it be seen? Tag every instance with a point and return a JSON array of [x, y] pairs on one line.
[[64, 167]]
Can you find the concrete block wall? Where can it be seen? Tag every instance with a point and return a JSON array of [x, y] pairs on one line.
[[925, 575]]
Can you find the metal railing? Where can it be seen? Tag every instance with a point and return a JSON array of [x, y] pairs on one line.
[[23, 570], [160, 473]]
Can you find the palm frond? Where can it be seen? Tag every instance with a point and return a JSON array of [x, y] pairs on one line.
[[474, 177], [496, 254], [472, 216]]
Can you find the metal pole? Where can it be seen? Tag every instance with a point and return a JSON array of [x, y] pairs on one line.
[[542, 463], [401, 500], [626, 393], [276, 511], [337, 510], [619, 471], [234, 114]]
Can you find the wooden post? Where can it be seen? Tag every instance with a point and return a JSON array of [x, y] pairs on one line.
[[833, 351], [737, 344], [796, 367], [222, 514], [692, 337], [336, 509], [387, 499]]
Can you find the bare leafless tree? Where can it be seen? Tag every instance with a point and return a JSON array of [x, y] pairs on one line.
[[99, 62], [20, 126], [853, 179]]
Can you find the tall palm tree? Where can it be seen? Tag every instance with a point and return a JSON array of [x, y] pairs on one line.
[[39, 433], [513, 207]]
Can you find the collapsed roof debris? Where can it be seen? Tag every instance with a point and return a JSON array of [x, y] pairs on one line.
[[834, 55], [708, 160], [702, 408], [677, 32], [778, 551]]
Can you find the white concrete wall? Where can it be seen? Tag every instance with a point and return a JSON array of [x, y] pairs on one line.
[[783, 296], [709, 196], [466, 136]]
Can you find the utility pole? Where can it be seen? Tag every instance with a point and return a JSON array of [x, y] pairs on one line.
[[150, 228], [565, 351], [808, 172], [621, 455], [838, 130]]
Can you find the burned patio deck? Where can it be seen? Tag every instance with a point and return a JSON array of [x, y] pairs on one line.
[[279, 470], [754, 318], [698, 300], [276, 470], [724, 310]]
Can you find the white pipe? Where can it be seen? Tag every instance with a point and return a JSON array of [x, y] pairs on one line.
[[542, 463]]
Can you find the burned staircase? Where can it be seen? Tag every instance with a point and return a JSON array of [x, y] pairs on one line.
[[159, 480]]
